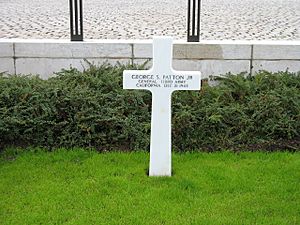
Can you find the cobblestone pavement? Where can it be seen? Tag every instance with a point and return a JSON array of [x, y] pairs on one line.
[[141, 19]]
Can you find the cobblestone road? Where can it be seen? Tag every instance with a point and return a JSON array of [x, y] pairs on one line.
[[141, 19]]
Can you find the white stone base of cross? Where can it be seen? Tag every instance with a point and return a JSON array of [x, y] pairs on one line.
[[161, 80]]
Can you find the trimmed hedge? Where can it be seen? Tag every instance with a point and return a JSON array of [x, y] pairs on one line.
[[90, 109]]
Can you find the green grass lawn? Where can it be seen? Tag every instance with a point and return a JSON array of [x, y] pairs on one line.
[[80, 187]]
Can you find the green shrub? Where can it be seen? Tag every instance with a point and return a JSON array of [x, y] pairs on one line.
[[90, 109], [259, 112]]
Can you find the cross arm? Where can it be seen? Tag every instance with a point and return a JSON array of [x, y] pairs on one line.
[[185, 80], [138, 79]]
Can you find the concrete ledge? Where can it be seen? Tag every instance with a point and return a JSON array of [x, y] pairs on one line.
[[142, 51], [73, 50], [199, 51], [213, 67], [7, 65], [210, 51], [275, 66], [46, 67], [276, 52], [207, 67], [6, 50], [44, 57]]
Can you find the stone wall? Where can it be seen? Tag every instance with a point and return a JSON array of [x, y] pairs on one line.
[[44, 57]]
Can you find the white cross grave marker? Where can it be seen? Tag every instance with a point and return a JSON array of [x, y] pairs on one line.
[[161, 80]]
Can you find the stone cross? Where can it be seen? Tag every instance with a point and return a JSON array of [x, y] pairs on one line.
[[161, 80]]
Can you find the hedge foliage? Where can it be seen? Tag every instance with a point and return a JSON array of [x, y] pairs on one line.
[[90, 109]]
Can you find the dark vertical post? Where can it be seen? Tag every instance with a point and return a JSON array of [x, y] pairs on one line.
[[76, 20], [193, 28]]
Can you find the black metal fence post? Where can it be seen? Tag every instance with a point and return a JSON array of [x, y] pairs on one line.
[[193, 30], [76, 20]]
